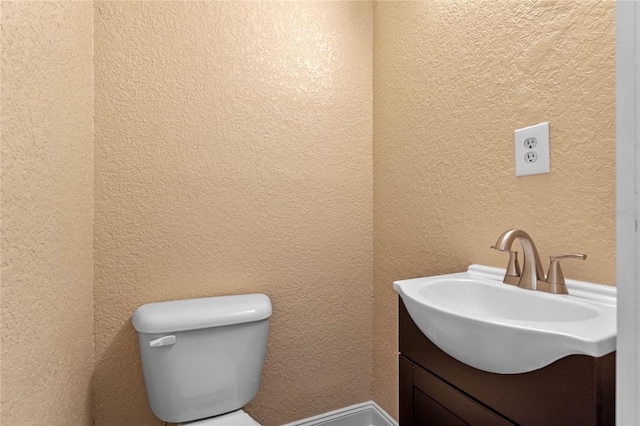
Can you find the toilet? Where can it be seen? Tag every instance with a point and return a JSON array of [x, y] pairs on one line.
[[202, 358]]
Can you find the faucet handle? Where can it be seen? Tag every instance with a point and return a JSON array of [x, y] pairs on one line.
[[554, 276], [513, 268]]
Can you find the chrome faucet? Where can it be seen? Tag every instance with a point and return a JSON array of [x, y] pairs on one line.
[[532, 276]]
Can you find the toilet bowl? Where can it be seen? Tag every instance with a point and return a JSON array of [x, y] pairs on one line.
[[202, 358]]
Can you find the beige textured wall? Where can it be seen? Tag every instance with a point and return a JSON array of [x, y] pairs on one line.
[[47, 212], [452, 80], [233, 155]]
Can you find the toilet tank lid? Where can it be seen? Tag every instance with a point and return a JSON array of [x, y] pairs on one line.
[[195, 314]]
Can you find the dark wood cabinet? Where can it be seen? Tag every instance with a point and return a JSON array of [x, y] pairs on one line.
[[435, 402], [438, 390]]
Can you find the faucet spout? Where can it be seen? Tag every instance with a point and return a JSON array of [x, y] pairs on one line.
[[532, 271]]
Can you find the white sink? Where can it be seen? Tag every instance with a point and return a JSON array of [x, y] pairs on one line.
[[500, 328]]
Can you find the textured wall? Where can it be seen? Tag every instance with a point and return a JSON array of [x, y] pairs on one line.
[[452, 80], [47, 212], [233, 155]]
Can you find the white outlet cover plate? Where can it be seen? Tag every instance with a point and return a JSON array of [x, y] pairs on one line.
[[542, 164]]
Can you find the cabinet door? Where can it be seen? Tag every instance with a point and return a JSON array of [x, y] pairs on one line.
[[428, 412], [426, 400]]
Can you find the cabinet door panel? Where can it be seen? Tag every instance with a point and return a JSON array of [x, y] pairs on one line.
[[430, 413], [464, 408]]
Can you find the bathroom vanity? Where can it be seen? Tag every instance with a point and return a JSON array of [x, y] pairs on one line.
[[437, 389]]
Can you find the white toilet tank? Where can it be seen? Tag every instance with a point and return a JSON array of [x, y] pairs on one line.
[[202, 357]]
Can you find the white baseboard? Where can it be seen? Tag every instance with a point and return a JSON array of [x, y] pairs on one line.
[[365, 414]]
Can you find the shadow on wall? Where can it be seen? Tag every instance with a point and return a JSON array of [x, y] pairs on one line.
[[118, 373]]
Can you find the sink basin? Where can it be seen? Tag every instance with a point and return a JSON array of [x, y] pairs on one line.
[[504, 329]]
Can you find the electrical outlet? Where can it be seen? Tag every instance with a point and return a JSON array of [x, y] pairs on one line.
[[530, 143], [532, 150]]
